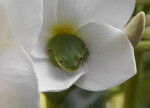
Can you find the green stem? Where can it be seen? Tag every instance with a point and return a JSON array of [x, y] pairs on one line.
[[43, 101], [131, 85], [143, 46]]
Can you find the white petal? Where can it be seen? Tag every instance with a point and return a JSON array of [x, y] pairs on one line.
[[75, 13], [49, 24], [17, 79], [5, 29], [52, 78], [49, 17], [111, 57], [25, 19], [40, 50]]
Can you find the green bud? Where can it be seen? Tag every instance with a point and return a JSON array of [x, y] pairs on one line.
[[135, 28], [143, 46]]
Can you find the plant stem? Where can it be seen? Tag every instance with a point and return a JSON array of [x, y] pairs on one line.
[[43, 102], [131, 85], [143, 45]]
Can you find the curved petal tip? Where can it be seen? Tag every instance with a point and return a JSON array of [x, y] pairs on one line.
[[134, 30]]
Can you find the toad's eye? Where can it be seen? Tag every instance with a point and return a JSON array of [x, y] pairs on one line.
[[61, 62], [81, 59]]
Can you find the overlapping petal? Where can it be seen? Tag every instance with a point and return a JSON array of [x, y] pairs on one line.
[[75, 13], [111, 57], [48, 27], [25, 17], [17, 79], [6, 34], [52, 78], [72, 14], [40, 50]]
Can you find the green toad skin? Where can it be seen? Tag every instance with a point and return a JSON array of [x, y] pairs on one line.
[[67, 51]]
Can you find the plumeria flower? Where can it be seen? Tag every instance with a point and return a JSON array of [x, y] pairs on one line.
[[99, 24]]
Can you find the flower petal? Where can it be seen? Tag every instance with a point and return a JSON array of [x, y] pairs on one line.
[[5, 29], [40, 49], [111, 57], [25, 18], [49, 17], [17, 79], [52, 78], [74, 13], [49, 24]]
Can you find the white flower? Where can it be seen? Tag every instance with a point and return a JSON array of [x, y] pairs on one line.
[[99, 24]]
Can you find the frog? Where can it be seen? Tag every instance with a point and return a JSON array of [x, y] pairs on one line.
[[67, 51]]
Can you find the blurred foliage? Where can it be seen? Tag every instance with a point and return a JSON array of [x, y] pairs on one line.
[[135, 93], [143, 95]]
